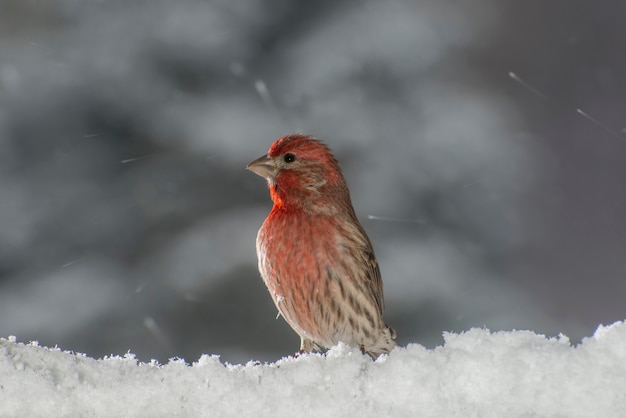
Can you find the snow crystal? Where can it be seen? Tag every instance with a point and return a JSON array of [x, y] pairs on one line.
[[475, 373]]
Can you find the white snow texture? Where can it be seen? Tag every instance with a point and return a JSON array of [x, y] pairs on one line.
[[474, 374]]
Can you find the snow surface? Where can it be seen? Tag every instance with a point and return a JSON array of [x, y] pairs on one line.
[[474, 374]]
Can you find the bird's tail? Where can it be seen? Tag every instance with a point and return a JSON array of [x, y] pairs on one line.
[[385, 343]]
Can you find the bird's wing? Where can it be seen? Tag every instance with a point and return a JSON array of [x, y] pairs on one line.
[[360, 261]]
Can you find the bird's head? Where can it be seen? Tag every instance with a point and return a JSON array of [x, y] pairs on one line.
[[300, 171]]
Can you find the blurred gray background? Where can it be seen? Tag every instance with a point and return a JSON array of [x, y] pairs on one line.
[[128, 221]]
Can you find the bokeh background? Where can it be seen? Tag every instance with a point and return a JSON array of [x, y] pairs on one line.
[[128, 221]]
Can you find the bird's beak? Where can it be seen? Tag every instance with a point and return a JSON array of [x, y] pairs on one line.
[[264, 166]]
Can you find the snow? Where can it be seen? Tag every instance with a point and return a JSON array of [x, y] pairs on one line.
[[477, 373]]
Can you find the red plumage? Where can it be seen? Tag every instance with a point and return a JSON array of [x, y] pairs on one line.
[[314, 257]]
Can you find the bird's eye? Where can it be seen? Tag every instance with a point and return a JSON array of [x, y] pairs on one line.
[[289, 158]]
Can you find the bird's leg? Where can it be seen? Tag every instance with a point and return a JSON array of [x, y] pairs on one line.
[[306, 345]]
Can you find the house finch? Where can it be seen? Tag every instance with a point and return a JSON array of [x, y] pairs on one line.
[[315, 258]]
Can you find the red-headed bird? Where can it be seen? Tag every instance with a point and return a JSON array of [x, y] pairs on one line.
[[314, 256]]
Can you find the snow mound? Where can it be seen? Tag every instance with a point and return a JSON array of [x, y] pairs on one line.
[[474, 374]]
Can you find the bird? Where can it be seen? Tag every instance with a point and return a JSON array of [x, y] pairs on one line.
[[313, 254]]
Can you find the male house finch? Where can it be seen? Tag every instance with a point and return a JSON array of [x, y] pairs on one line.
[[315, 258]]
